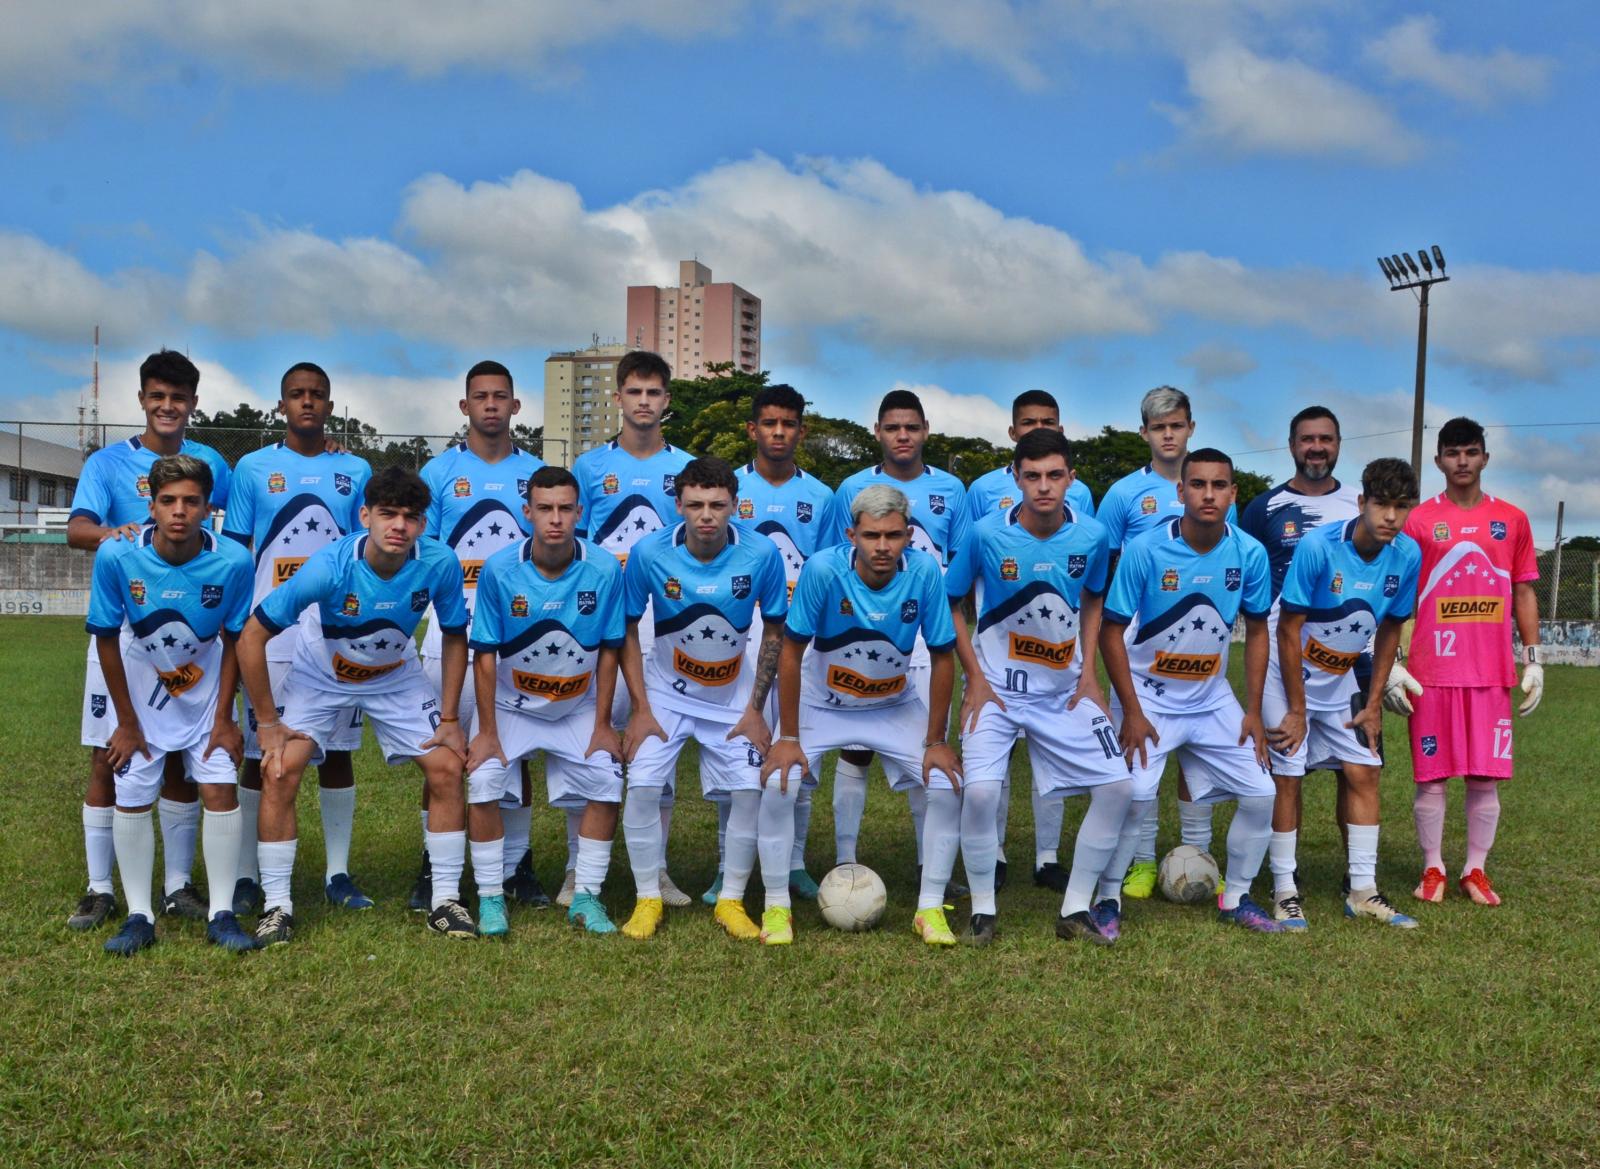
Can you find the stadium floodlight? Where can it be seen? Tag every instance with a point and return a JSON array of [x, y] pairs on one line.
[[1404, 275]]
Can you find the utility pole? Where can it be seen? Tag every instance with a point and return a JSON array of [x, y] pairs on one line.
[[1403, 275]]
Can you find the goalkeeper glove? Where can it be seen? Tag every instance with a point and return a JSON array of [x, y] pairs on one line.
[[1396, 689]]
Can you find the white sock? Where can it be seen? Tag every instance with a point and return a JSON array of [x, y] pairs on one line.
[[574, 820], [276, 858], [942, 837], [1363, 853], [517, 823], [1096, 846], [802, 829], [249, 815], [488, 866], [724, 810], [99, 850], [1001, 815], [1048, 817], [594, 858], [1280, 858], [980, 843], [134, 838], [917, 801], [1144, 849], [641, 832], [447, 852], [180, 830], [1127, 842], [338, 806], [1194, 823], [743, 816], [222, 831], [1247, 844], [424, 829], [775, 843], [849, 804]]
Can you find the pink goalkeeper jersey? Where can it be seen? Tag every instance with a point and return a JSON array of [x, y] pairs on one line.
[[1470, 560]]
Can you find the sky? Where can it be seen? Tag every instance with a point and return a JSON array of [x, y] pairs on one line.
[[967, 197]]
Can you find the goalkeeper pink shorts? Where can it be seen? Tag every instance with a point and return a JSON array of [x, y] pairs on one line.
[[1461, 730]]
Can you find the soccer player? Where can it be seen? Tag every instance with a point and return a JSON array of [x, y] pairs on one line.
[[479, 488], [546, 631], [184, 596], [1350, 584], [1137, 503], [998, 491], [1477, 576], [369, 592], [1178, 588], [625, 492], [864, 606], [1039, 575], [112, 502], [704, 580], [288, 501], [938, 520]]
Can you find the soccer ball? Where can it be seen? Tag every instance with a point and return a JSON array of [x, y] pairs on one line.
[[1188, 875], [851, 898]]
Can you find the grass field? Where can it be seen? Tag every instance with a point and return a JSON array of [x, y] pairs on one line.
[[1474, 1040]]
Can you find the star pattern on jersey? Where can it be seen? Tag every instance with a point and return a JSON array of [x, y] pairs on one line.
[[873, 655], [169, 641], [639, 523], [552, 648], [495, 529], [381, 643], [311, 524], [707, 633]]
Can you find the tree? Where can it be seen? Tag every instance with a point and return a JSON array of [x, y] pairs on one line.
[[723, 385]]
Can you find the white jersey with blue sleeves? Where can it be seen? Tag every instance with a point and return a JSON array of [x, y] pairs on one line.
[[997, 490], [862, 638], [793, 515], [1140, 502], [939, 517], [1029, 592], [623, 498], [1185, 603], [176, 613], [114, 488], [547, 634]]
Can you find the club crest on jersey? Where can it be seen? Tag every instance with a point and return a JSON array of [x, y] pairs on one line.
[[1005, 502], [673, 588], [588, 602], [142, 485], [802, 512], [276, 483], [1336, 585], [97, 705], [1077, 565], [419, 600], [342, 483], [1391, 585], [210, 596], [1288, 528], [1231, 578], [1008, 569], [668, 482], [463, 487], [1169, 581], [846, 609], [610, 485], [1430, 745], [1147, 505], [936, 504], [747, 509], [1441, 531], [519, 605], [1497, 530], [908, 610], [351, 606], [741, 587]]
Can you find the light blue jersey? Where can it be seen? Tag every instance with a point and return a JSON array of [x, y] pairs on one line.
[[622, 499], [864, 637], [114, 488], [1140, 502], [1282, 517], [1344, 598], [792, 515], [547, 633], [176, 613], [998, 491], [1029, 593], [939, 517], [1185, 604], [704, 614], [366, 622]]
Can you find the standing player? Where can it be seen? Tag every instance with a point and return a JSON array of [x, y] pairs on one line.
[[369, 592], [479, 488], [625, 492], [704, 579], [289, 500], [937, 520], [1350, 584], [1477, 576], [184, 595], [546, 630], [1039, 570], [864, 606], [112, 502], [1178, 590]]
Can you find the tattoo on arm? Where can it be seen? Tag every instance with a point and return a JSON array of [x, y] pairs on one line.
[[766, 669]]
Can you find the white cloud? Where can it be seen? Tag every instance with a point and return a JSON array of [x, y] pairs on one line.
[[1409, 52], [950, 413], [1216, 362], [47, 293]]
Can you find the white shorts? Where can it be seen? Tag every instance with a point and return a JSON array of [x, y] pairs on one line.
[[403, 719], [572, 779], [894, 732], [1070, 750], [725, 766], [99, 718], [1215, 764], [345, 737], [433, 670], [919, 680], [139, 780], [1328, 743], [621, 702]]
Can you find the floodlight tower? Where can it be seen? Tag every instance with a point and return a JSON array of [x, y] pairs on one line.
[[1402, 274]]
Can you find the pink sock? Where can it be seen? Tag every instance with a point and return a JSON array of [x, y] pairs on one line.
[[1429, 812], [1483, 816]]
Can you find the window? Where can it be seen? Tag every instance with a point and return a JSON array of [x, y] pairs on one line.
[[19, 486], [47, 493], [586, 381]]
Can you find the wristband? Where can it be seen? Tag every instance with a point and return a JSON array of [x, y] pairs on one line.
[[267, 726], [450, 720], [788, 738], [1531, 655], [926, 743]]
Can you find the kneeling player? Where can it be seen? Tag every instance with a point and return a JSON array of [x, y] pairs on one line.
[[864, 603], [1040, 574], [546, 630], [1347, 582], [370, 590], [1177, 591], [703, 580], [185, 596]]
